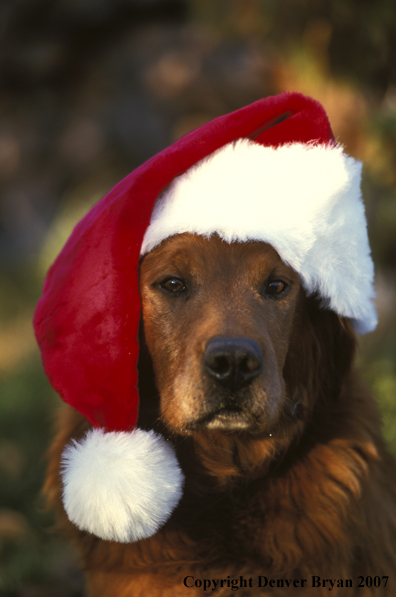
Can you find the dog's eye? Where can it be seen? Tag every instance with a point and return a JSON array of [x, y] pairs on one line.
[[275, 287], [173, 285]]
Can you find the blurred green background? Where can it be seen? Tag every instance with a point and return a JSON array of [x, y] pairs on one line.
[[89, 89]]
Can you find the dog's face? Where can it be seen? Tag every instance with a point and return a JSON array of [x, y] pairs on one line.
[[218, 319]]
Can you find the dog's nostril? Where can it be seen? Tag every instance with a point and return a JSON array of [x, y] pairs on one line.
[[250, 364], [220, 365], [232, 362]]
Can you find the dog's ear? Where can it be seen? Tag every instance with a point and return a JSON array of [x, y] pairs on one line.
[[321, 352]]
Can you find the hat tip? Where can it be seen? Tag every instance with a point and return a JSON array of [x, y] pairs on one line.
[[120, 486]]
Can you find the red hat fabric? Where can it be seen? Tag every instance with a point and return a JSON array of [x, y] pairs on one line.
[[87, 320]]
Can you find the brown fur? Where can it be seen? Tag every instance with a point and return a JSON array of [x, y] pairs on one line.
[[295, 482]]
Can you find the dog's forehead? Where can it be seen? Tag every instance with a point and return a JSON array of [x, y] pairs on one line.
[[189, 251]]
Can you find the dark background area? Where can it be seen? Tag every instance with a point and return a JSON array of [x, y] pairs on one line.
[[89, 89]]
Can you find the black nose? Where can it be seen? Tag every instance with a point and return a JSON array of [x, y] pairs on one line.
[[232, 362]]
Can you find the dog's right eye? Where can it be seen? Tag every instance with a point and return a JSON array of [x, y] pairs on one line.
[[173, 285]]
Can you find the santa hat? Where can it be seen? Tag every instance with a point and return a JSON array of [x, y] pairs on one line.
[[271, 171]]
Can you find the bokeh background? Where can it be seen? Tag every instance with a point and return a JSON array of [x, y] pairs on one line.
[[89, 89]]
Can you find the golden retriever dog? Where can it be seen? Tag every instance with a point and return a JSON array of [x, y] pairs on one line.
[[289, 488]]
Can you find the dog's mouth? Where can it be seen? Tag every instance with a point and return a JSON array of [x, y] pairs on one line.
[[230, 418]]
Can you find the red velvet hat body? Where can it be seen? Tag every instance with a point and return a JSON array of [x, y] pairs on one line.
[[87, 320]]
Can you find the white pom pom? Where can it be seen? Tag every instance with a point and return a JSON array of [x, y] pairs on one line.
[[120, 486]]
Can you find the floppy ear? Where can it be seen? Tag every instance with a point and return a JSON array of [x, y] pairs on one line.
[[321, 353], [149, 408]]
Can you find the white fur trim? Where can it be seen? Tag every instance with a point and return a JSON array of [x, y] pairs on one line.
[[120, 486], [305, 200]]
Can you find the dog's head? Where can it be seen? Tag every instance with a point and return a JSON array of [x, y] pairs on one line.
[[236, 345]]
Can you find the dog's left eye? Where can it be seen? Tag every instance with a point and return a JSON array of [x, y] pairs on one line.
[[173, 285], [275, 287]]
